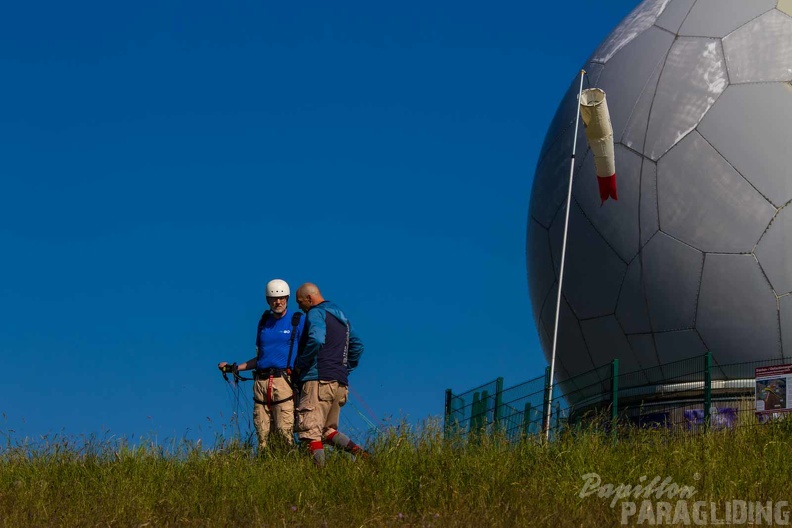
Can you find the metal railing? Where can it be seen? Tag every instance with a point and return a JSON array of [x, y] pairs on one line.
[[695, 394]]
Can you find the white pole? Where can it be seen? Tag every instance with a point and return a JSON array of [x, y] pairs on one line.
[[549, 403]]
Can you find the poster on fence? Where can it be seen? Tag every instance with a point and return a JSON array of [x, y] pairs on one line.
[[720, 417], [772, 389]]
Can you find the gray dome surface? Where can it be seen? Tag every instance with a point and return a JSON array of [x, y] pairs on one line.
[[695, 255]]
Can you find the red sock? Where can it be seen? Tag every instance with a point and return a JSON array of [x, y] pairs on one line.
[[317, 450]]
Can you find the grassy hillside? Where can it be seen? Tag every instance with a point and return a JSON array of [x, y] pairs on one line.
[[414, 478]]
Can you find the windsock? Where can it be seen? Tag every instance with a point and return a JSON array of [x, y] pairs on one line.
[[599, 133]]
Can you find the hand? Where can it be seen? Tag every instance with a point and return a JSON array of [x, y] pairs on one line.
[[295, 382], [225, 368]]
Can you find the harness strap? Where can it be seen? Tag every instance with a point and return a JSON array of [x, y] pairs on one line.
[[256, 400], [295, 322], [269, 403], [261, 323]]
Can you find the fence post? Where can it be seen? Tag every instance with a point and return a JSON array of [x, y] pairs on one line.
[[545, 405], [557, 416], [484, 408], [498, 403], [707, 388], [447, 419], [527, 420], [614, 394], [474, 414]]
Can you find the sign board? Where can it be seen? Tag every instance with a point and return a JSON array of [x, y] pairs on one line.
[[720, 417], [773, 385]]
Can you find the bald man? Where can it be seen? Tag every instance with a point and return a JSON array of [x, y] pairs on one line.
[[328, 351]]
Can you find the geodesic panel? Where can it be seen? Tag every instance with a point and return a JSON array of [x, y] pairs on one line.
[[713, 209], [672, 271], [752, 59], [674, 14], [570, 338], [643, 348], [540, 266], [591, 290], [675, 346], [785, 307], [737, 310], [750, 127], [650, 222], [785, 6], [617, 222], [638, 62], [547, 343], [606, 342], [561, 371], [718, 18], [553, 185], [693, 77], [640, 19], [774, 252], [631, 310], [634, 135]]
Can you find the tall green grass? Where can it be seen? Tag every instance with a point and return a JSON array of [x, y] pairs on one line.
[[414, 478]]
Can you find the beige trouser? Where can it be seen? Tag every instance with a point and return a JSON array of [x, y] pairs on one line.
[[320, 408], [281, 415]]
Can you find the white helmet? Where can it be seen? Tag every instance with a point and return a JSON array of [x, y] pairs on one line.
[[277, 288]]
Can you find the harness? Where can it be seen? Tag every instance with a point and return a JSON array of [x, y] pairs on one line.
[[272, 373]]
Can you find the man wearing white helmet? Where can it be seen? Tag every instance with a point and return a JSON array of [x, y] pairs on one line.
[[276, 341]]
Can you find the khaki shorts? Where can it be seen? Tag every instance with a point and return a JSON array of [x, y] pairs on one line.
[[320, 408]]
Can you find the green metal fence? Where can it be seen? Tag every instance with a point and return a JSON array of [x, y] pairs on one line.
[[695, 393], [472, 411]]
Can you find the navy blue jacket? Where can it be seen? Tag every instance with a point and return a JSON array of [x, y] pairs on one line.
[[329, 348]]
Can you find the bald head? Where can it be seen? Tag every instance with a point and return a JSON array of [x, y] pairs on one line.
[[309, 288], [308, 295]]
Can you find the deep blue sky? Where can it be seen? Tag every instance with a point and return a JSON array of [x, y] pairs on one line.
[[161, 161]]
